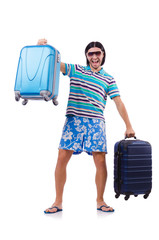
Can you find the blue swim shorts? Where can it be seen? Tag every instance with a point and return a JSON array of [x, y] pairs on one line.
[[84, 134]]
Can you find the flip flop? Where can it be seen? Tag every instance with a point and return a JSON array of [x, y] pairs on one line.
[[100, 208], [58, 210]]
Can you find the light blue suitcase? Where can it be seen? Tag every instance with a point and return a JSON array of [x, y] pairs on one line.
[[38, 74]]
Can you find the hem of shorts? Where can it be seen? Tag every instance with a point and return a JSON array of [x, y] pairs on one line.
[[66, 149], [79, 152], [90, 153]]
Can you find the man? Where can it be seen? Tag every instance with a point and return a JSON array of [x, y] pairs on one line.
[[84, 129]]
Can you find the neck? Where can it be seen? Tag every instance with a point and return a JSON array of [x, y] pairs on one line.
[[95, 69]]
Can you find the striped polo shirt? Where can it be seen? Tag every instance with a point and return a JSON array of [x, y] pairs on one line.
[[88, 91]]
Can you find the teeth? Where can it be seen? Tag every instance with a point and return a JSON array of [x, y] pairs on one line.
[[94, 61]]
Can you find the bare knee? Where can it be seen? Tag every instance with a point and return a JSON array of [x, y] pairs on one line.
[[63, 157], [99, 159]]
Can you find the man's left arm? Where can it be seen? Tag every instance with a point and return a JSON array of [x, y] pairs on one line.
[[123, 113]]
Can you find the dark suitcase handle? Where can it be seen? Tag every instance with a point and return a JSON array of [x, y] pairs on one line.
[[133, 137]]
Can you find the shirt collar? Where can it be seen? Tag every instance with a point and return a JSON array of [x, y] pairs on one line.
[[88, 68]]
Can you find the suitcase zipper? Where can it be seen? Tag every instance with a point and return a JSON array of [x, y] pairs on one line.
[[119, 155], [57, 60]]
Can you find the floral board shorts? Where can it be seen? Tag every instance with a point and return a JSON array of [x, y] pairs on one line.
[[84, 134]]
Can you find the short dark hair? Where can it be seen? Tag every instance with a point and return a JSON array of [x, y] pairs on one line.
[[95, 44]]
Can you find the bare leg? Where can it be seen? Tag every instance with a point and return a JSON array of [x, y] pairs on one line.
[[101, 177], [60, 177]]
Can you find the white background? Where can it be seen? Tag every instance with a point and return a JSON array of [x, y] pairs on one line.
[[30, 134]]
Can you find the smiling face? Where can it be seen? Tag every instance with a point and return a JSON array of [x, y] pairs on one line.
[[95, 57]]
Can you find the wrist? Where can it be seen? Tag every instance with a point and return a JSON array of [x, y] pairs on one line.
[[128, 126]]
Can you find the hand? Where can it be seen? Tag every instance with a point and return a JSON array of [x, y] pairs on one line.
[[129, 133], [42, 41]]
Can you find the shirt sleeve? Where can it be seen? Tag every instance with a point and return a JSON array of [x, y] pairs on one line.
[[70, 69], [113, 90]]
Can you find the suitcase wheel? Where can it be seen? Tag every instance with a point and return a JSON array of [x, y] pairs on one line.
[[55, 102], [45, 95], [146, 195], [117, 195], [135, 195], [46, 98], [17, 96], [127, 197], [25, 101]]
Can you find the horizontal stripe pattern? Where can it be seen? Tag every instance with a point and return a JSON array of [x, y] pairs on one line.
[[88, 91]]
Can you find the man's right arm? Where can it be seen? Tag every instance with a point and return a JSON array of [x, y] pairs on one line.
[[62, 67], [44, 42]]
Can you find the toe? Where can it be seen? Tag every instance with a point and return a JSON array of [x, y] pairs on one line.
[[107, 209], [51, 210]]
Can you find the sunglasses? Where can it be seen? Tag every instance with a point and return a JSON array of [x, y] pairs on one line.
[[98, 54]]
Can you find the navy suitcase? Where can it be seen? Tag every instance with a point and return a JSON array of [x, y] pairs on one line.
[[38, 74], [132, 168]]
